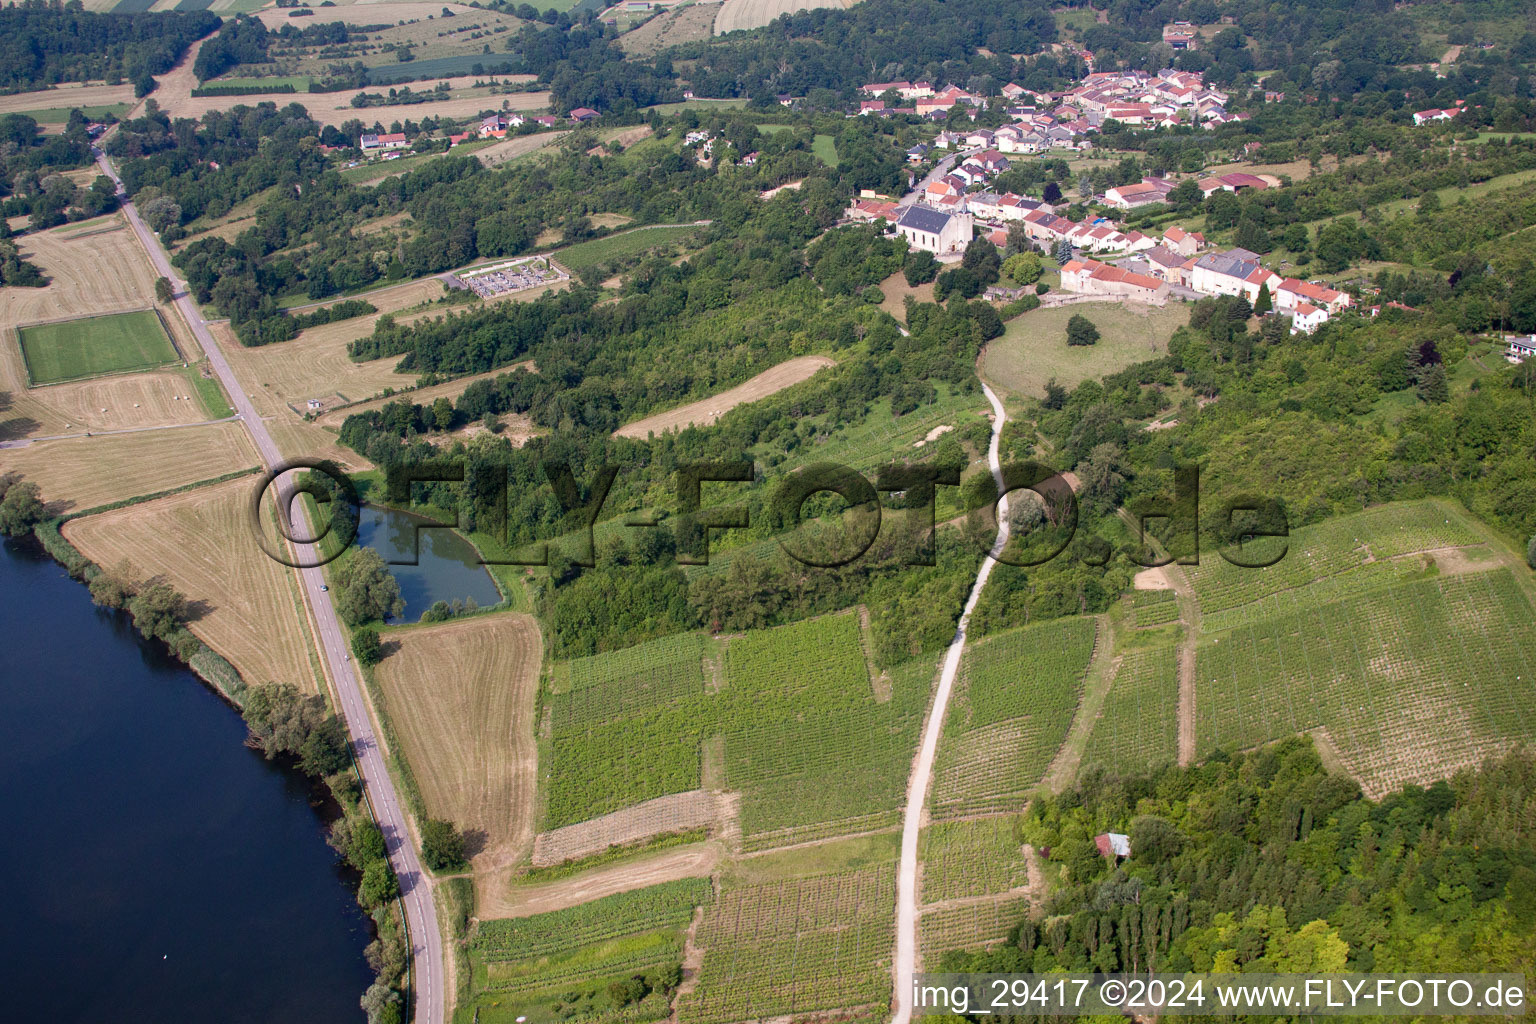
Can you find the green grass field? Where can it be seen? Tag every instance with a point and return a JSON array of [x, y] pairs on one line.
[[95, 345], [582, 255], [60, 115], [300, 83], [1034, 348], [1011, 710], [824, 148]]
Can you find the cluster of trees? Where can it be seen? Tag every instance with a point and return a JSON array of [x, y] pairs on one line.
[[42, 44], [159, 610], [21, 505], [366, 591], [31, 178], [241, 40], [1265, 862]]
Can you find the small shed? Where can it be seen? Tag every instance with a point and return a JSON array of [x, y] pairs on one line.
[[1113, 844]]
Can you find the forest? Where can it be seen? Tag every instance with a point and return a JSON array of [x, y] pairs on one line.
[[1265, 862], [42, 44]]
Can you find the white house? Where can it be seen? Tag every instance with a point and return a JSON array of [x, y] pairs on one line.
[[934, 230], [1292, 293], [1229, 274], [1521, 347], [371, 143], [1307, 318]]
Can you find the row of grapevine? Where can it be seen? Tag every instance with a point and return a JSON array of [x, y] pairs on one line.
[[795, 947], [1410, 682], [618, 958], [1329, 548], [969, 925], [1139, 724], [1012, 707], [625, 913], [963, 859], [1154, 607]]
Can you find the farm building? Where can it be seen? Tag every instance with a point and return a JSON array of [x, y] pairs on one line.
[[1234, 272], [1090, 277], [935, 230], [370, 143]]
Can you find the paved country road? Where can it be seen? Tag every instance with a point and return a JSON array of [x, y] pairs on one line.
[[378, 788], [905, 967]]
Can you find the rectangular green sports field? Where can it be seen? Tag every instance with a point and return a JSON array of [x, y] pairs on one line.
[[94, 345]]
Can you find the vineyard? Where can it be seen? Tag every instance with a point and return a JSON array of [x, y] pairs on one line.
[[1411, 683], [796, 947], [626, 728], [1012, 707], [971, 924], [1335, 550], [806, 743], [613, 958], [1138, 726], [1154, 607], [670, 904], [963, 859]]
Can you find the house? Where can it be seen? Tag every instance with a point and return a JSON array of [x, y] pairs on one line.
[[583, 114], [1307, 318], [867, 107], [1013, 91], [979, 139], [315, 405], [1424, 117], [1185, 243], [371, 143], [1166, 265], [1180, 35], [935, 231], [992, 161], [916, 91], [1112, 844], [881, 88], [870, 210], [1232, 273], [985, 205], [1046, 228], [546, 120], [918, 153], [454, 140], [1521, 347], [1292, 293]]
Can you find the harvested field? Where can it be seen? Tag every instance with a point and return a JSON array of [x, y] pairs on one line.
[[495, 898], [895, 289], [678, 812], [708, 410], [90, 346], [736, 15], [82, 473], [363, 14], [421, 396], [249, 609], [461, 698], [153, 399], [66, 96]]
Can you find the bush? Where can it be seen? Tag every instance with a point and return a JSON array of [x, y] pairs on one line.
[[1081, 330], [1530, 552], [379, 885], [366, 646], [442, 846]]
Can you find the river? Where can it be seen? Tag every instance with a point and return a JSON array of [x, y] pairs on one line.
[[156, 869]]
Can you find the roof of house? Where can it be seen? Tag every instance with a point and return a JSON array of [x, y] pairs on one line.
[[1113, 843], [1315, 292], [921, 218]]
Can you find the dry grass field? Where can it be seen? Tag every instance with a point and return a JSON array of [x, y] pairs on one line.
[[422, 396], [249, 605], [70, 95], [461, 698], [708, 410], [84, 472], [517, 146], [895, 289], [681, 25], [677, 812], [736, 15], [365, 14]]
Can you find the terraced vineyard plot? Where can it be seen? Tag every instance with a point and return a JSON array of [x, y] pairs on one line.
[[1011, 710], [1412, 682], [962, 859], [796, 947], [1138, 726], [1154, 607], [806, 743], [659, 906], [1336, 548], [969, 925], [628, 729], [614, 958]]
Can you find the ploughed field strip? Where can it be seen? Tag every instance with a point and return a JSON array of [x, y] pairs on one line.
[[796, 946], [1138, 726], [113, 343], [1013, 704], [1332, 560], [807, 744]]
